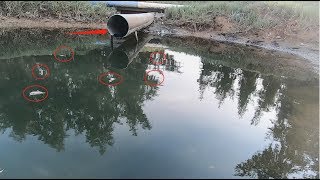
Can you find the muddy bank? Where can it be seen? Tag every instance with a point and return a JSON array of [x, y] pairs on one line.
[[309, 51], [48, 23]]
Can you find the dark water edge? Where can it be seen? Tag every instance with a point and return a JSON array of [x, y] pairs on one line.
[[224, 111]]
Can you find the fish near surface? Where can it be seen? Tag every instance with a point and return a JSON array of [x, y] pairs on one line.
[[33, 93]]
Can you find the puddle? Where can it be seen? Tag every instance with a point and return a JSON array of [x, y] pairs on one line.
[[245, 111]]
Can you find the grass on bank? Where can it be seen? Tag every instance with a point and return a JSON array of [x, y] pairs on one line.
[[65, 10], [248, 15]]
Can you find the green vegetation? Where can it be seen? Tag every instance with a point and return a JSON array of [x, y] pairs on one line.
[[247, 15], [66, 10]]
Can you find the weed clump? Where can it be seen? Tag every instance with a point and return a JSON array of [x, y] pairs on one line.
[[81, 11], [247, 15]]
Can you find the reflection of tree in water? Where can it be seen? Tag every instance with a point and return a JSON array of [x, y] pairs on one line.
[[220, 77], [223, 79], [247, 85], [76, 102], [294, 135], [170, 64], [152, 79], [274, 160], [271, 162], [267, 97], [294, 150]]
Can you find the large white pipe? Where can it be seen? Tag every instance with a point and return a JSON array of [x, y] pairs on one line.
[[121, 25], [137, 4]]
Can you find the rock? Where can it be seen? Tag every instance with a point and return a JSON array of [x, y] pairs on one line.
[[275, 43], [278, 37], [232, 35], [254, 41]]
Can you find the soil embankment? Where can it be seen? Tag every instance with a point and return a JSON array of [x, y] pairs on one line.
[[303, 44], [45, 23]]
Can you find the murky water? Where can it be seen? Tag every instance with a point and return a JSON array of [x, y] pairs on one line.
[[205, 110]]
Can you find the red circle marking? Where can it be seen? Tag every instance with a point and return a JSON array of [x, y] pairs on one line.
[[39, 78], [36, 85], [63, 60], [107, 84], [146, 81], [163, 60]]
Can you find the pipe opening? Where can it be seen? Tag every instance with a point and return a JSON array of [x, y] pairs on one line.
[[118, 26]]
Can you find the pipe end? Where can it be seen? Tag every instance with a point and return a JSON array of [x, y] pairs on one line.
[[117, 26]]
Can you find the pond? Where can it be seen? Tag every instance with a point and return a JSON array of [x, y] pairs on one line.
[[161, 107]]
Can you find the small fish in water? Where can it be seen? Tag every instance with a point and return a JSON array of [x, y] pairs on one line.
[[41, 71], [1, 170], [37, 92], [112, 79]]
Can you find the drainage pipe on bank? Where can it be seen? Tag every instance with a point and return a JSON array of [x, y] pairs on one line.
[[121, 25], [137, 5]]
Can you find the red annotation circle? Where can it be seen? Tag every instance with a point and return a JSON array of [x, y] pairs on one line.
[[148, 83], [36, 85], [40, 65], [110, 84], [158, 63], [59, 49]]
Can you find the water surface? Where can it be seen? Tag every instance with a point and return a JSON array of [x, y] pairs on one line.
[[222, 111]]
